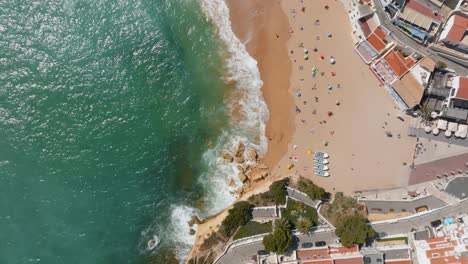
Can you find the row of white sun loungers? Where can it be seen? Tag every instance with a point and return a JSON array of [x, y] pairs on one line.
[[459, 130]]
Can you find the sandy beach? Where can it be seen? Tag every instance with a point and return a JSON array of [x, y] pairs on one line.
[[351, 118]]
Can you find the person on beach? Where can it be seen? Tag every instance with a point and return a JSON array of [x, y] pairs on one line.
[[298, 111]]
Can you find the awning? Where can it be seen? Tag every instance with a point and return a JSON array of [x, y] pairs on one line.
[[442, 124]]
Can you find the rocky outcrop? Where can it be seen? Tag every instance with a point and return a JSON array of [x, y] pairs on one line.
[[253, 155], [192, 232], [242, 177], [231, 182], [194, 220], [258, 174], [240, 150], [239, 159], [240, 190], [228, 157]]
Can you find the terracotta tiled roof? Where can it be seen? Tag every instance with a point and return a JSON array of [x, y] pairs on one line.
[[450, 260], [313, 254], [375, 42], [380, 33], [344, 250], [437, 253], [457, 31], [418, 7], [398, 62], [399, 262], [436, 239], [462, 89], [358, 260], [364, 26], [319, 262]]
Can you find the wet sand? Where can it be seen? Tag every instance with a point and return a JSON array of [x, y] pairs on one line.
[[262, 27]]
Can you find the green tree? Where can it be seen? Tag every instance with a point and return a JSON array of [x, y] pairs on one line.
[[238, 216], [313, 191], [353, 230], [441, 65], [278, 191], [304, 225], [281, 238]]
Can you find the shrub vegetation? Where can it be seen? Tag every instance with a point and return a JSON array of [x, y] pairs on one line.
[[238, 216]]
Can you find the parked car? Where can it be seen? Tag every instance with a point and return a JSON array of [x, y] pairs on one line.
[[436, 223], [320, 243], [307, 245], [262, 252], [381, 235]]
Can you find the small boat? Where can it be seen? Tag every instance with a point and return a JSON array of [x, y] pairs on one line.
[[153, 243], [321, 161], [321, 167], [321, 155], [322, 173]]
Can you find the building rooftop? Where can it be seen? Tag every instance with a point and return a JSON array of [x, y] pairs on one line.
[[313, 254], [398, 63], [422, 235], [344, 250], [409, 89], [396, 254], [462, 91], [399, 261], [372, 256], [356, 260], [420, 8], [264, 212], [455, 30]]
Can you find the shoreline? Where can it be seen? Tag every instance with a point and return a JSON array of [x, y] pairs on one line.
[[361, 155], [252, 24]]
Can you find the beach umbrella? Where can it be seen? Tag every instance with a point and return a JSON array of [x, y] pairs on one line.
[[434, 114], [435, 131], [290, 166], [315, 49], [306, 57], [329, 34], [427, 129], [330, 87], [448, 133], [309, 152], [322, 57], [325, 143], [314, 69], [332, 60]]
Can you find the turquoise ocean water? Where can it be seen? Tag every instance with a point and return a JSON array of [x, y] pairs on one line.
[[108, 110]]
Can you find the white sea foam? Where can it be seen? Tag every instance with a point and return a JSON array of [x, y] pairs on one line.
[[250, 128]]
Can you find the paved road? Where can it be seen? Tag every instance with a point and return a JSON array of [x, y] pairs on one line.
[[243, 253], [397, 34], [404, 226]]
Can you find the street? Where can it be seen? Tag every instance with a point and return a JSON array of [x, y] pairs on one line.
[[408, 41], [243, 253]]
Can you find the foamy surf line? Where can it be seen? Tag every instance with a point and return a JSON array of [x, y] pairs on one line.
[[250, 130]]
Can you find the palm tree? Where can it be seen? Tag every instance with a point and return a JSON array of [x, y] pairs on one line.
[[426, 115], [283, 224]]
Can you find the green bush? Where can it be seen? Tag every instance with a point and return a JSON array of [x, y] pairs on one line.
[[238, 216], [353, 229], [297, 210], [281, 238], [441, 65], [252, 228], [278, 191], [313, 191]]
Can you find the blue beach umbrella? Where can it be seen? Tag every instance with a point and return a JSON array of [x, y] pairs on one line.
[[330, 87]]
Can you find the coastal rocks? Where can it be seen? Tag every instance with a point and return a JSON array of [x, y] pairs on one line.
[[240, 150], [242, 177], [228, 157], [192, 232], [239, 159], [194, 220], [253, 155], [231, 182], [240, 190], [258, 174]]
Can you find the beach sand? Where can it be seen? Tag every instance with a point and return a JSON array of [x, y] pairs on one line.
[[362, 157]]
